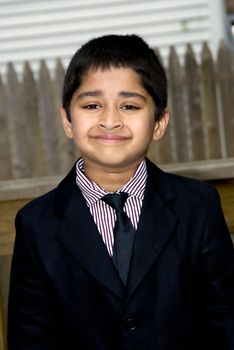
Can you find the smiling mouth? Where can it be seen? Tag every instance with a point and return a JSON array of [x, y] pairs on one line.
[[111, 138]]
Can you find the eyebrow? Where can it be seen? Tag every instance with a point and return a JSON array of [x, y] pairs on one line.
[[132, 94], [94, 93], [97, 93]]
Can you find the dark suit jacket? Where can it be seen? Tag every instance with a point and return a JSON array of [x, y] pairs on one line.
[[66, 294]]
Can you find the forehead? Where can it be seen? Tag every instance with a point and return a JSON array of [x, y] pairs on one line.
[[112, 76], [112, 84]]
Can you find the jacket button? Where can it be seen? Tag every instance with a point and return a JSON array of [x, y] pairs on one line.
[[130, 324]]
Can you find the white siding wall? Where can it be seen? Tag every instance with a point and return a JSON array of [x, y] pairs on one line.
[[32, 30]]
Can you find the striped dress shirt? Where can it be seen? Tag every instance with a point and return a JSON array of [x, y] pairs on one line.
[[104, 216]]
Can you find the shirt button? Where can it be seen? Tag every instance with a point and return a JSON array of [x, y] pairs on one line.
[[130, 324]]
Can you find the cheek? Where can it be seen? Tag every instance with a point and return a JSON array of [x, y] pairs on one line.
[[144, 128], [79, 124]]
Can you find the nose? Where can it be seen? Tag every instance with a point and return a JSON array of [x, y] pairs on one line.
[[110, 119]]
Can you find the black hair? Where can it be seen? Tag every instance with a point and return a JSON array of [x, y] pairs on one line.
[[120, 51]]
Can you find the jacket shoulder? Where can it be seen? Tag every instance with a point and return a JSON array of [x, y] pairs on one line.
[[180, 186], [54, 199], [39, 204], [187, 184], [193, 192]]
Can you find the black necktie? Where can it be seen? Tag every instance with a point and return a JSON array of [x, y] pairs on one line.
[[124, 234]]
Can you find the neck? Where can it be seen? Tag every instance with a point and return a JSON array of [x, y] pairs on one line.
[[110, 180]]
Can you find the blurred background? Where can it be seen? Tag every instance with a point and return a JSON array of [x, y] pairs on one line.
[[195, 40]]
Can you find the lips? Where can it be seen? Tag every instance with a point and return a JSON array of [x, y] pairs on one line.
[[110, 137]]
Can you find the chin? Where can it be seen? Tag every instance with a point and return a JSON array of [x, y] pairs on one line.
[[121, 163]]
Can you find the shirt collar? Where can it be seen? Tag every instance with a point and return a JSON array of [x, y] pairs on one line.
[[93, 192]]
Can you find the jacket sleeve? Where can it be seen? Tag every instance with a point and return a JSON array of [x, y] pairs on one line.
[[217, 264], [30, 319]]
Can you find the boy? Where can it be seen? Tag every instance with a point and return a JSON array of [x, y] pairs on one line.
[[153, 271]]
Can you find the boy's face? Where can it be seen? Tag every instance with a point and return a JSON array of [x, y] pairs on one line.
[[113, 119]]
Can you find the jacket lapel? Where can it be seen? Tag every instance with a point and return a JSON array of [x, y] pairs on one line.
[[156, 224], [80, 237]]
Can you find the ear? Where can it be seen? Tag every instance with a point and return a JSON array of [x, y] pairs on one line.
[[161, 125], [67, 126]]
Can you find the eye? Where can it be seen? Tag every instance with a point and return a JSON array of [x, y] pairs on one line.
[[130, 107], [92, 106]]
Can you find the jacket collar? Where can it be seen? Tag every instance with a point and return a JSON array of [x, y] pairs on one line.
[[156, 177]]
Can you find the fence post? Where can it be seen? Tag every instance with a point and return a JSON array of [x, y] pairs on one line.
[[226, 85], [176, 83], [192, 83], [65, 145], [16, 125], [47, 115], [5, 169], [32, 125], [210, 105]]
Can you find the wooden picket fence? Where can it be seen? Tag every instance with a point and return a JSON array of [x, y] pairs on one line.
[[201, 95], [200, 101]]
